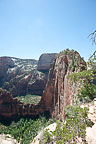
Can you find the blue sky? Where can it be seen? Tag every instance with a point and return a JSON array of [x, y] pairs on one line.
[[29, 28]]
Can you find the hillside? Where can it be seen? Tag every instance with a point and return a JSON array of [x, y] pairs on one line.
[[23, 76]]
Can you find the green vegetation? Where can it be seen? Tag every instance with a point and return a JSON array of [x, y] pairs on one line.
[[29, 99], [82, 76], [69, 131], [75, 57], [25, 129], [67, 52], [87, 93], [87, 90]]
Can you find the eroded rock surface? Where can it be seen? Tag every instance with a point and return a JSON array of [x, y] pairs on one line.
[[59, 91]]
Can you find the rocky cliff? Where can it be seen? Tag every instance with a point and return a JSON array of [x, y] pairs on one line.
[[58, 92], [21, 77], [45, 60], [12, 107]]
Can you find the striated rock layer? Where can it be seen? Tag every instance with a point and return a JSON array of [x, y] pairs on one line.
[[58, 92]]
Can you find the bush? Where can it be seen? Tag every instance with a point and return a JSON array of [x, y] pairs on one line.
[[69, 131], [87, 92]]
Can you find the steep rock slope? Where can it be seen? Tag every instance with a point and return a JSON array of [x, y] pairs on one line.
[[59, 91]]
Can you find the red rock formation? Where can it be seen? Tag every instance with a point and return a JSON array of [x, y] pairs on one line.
[[58, 93], [12, 107]]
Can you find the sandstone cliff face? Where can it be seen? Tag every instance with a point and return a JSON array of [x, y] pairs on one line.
[[58, 92], [45, 60]]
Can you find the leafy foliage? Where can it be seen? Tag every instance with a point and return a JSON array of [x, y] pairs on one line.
[[84, 79], [84, 75], [87, 92], [71, 130], [25, 129]]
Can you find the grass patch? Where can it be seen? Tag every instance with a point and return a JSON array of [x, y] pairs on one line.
[[29, 99]]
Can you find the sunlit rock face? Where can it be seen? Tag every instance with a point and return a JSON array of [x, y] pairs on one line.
[[59, 91]]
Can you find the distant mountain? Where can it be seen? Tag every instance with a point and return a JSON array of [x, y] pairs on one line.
[[23, 76]]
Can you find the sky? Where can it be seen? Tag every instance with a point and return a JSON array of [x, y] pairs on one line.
[[29, 28]]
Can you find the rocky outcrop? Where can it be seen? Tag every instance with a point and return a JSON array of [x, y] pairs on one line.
[[38, 138], [58, 92], [5, 63], [7, 139], [45, 60], [91, 134]]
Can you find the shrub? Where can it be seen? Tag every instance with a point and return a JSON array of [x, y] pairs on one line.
[[25, 130], [87, 92], [69, 131]]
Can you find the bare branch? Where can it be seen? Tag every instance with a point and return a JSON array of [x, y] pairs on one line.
[[93, 37]]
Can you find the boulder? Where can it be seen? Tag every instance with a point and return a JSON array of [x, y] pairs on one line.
[[91, 134], [39, 137], [7, 139]]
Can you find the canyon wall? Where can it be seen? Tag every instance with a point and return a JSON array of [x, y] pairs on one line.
[[25, 76], [58, 93]]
